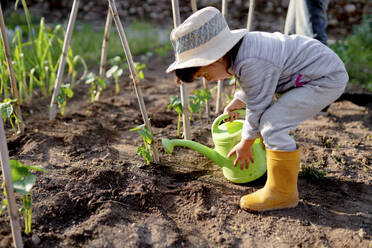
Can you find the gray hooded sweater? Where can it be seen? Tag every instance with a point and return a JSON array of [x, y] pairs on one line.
[[269, 63]]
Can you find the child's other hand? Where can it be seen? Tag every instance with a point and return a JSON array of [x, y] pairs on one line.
[[243, 151], [233, 105]]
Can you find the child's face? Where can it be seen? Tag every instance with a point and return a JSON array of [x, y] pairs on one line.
[[215, 71]]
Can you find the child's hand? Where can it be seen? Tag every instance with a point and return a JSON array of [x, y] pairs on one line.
[[233, 105], [243, 152]]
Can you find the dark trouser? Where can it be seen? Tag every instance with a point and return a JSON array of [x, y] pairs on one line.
[[307, 17]]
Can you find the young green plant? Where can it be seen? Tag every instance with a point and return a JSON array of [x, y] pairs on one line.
[[115, 72], [198, 99], [176, 104], [147, 137], [311, 173], [65, 91], [97, 85], [23, 181], [7, 113]]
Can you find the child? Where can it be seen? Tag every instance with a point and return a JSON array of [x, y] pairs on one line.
[[307, 73]]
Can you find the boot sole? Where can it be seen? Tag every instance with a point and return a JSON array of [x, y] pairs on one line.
[[271, 209]]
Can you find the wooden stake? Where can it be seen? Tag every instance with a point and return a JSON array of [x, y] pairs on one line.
[[250, 15], [133, 72], [193, 6], [106, 38], [183, 89], [220, 82], [207, 107], [7, 177], [61, 68], [11, 71]]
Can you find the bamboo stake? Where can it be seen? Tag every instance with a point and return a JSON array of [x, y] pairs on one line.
[[250, 15], [133, 72], [193, 6], [207, 107], [106, 38], [220, 82], [7, 177], [11, 71], [183, 89], [61, 68]]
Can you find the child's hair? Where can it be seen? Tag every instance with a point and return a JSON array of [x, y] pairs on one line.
[[187, 74]]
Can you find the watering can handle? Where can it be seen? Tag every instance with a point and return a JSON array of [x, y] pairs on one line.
[[220, 118]]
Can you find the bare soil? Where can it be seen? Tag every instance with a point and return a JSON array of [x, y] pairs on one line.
[[99, 193]]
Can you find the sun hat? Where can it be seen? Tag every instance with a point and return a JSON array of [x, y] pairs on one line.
[[202, 39]]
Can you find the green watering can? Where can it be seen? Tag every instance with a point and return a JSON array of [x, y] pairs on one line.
[[225, 137]]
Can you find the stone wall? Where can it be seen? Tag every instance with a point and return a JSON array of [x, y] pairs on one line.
[[269, 15]]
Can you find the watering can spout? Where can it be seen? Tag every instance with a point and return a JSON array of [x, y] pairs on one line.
[[217, 158]]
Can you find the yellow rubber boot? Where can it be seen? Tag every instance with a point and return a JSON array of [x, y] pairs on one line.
[[280, 190]]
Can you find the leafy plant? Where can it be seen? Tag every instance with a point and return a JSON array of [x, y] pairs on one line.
[[97, 85], [147, 137], [176, 104], [72, 62], [65, 91], [7, 113], [23, 181], [310, 172], [356, 52], [115, 72], [198, 100], [139, 70], [194, 105]]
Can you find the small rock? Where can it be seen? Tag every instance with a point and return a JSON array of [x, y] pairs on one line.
[[213, 211], [362, 233], [350, 8], [35, 239], [69, 186]]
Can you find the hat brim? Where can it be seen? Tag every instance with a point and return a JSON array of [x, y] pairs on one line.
[[210, 52]]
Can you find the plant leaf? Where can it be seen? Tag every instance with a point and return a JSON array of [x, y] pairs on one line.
[[24, 185], [111, 71], [18, 170], [6, 110]]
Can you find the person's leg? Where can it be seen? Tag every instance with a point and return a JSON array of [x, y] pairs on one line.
[[298, 19], [282, 153], [290, 20], [318, 18]]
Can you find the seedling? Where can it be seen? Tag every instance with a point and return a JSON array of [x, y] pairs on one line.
[[147, 137], [115, 72], [72, 62], [176, 104], [97, 85], [139, 68], [65, 91], [311, 173], [198, 100], [23, 181], [194, 105], [7, 113]]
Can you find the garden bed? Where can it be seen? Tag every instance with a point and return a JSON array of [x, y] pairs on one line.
[[99, 193]]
